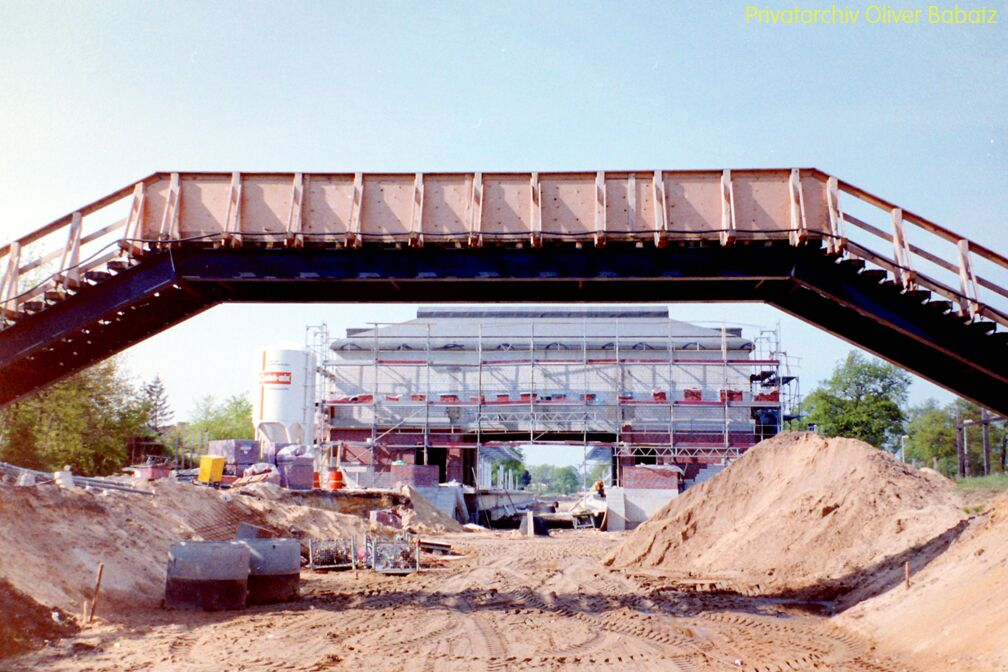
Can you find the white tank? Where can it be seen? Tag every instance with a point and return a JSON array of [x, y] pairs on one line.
[[284, 397]]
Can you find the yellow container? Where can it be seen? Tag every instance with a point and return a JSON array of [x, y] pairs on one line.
[[211, 468]]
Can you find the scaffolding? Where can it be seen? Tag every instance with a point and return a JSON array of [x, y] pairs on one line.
[[688, 394]]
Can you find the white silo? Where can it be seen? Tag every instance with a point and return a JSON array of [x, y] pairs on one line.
[[284, 398]]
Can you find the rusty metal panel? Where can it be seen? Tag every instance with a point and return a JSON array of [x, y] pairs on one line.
[[694, 202], [629, 205], [446, 201], [203, 205], [328, 203], [507, 205], [386, 208], [762, 208], [265, 205], [817, 216], [157, 200], [568, 204]]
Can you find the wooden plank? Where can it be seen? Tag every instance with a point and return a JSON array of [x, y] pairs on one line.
[[967, 281], [728, 227], [600, 209], [69, 273], [900, 250], [836, 216], [799, 226], [660, 208], [294, 219]]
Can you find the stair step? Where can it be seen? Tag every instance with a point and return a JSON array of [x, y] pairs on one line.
[[34, 306], [941, 306], [54, 295], [856, 264], [118, 265], [1000, 337], [918, 295], [983, 326], [874, 274], [97, 276]]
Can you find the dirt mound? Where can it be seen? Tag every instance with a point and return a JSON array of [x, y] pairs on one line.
[[425, 518], [26, 623], [957, 606], [52, 539], [799, 514]]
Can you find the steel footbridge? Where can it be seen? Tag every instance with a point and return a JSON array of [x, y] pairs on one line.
[[171, 245]]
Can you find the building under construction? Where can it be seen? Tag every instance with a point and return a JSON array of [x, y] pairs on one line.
[[458, 387]]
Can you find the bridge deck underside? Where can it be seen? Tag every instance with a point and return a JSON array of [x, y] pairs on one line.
[[169, 286]]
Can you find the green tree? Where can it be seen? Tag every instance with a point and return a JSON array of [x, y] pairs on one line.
[[863, 399], [229, 419], [566, 480], [515, 466], [159, 413], [86, 421], [931, 437], [598, 471]]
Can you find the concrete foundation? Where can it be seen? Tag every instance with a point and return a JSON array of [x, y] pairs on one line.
[[629, 507]]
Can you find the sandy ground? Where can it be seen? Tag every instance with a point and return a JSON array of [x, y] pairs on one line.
[[508, 603]]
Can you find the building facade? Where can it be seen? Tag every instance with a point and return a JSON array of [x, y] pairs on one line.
[[630, 385]]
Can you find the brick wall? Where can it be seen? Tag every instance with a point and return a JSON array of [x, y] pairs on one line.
[[421, 475], [644, 476]]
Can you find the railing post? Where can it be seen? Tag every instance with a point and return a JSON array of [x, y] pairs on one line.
[[799, 231], [232, 217], [969, 303], [901, 250], [416, 214], [294, 219], [354, 238], [837, 241], [9, 288], [170, 221], [600, 209], [727, 209], [69, 273], [660, 209], [476, 208], [535, 210], [134, 223]]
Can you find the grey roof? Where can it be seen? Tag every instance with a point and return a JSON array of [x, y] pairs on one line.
[[527, 312], [503, 329]]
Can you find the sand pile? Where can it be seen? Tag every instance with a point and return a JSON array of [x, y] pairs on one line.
[[957, 606], [52, 539], [799, 513]]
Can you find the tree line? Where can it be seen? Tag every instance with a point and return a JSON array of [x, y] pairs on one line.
[[867, 399], [100, 420]]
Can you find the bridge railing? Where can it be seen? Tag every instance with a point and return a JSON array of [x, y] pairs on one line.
[[347, 210]]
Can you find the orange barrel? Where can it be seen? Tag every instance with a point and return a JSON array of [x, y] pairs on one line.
[[335, 479], [316, 484]]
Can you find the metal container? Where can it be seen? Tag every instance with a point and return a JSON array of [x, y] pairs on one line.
[[240, 453], [296, 473], [274, 570], [284, 397], [207, 575]]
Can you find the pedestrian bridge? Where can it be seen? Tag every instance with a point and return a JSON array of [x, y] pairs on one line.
[[156, 252]]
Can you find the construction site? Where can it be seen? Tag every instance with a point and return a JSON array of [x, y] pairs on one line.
[[440, 399], [371, 523]]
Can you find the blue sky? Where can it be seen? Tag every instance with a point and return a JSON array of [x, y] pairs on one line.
[[96, 95]]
